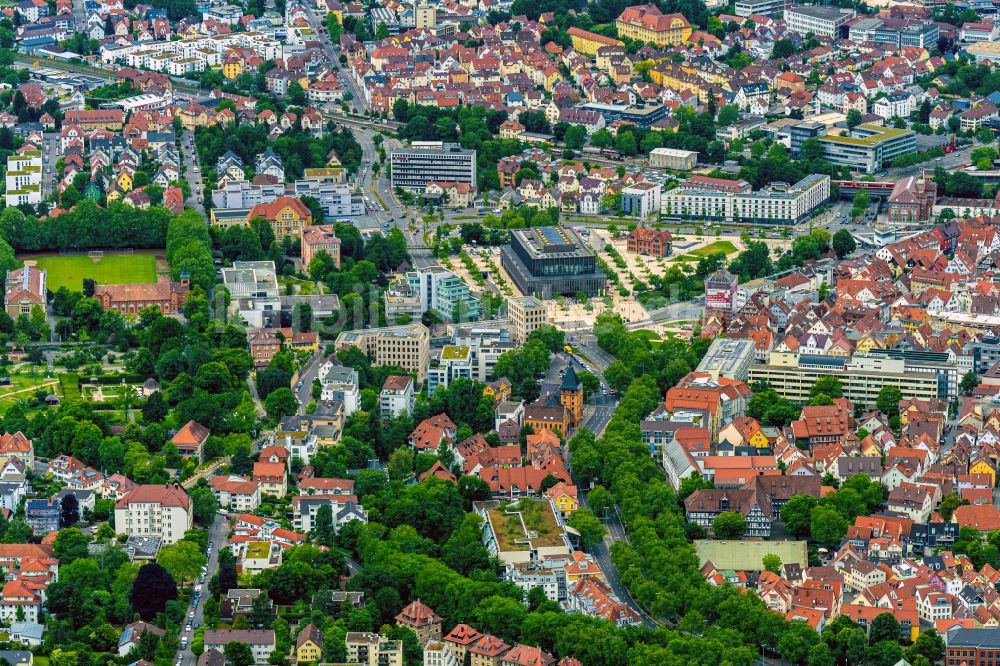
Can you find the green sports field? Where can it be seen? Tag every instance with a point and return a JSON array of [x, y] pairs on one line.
[[70, 270]]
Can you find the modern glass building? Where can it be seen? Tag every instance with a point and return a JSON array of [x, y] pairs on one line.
[[544, 261]]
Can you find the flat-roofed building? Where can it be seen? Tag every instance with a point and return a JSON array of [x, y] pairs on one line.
[[792, 376], [641, 200], [367, 649], [779, 204], [776, 8], [545, 261], [728, 358], [426, 162], [825, 21], [526, 313], [405, 346], [673, 158], [868, 147]]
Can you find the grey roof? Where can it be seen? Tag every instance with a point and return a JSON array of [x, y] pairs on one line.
[[248, 636], [974, 638], [212, 657], [680, 462], [28, 629], [867, 465], [15, 657]]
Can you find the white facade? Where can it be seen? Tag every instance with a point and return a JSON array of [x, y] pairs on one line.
[[641, 200], [154, 510], [825, 21], [787, 205], [438, 654], [896, 105], [393, 402], [24, 178]]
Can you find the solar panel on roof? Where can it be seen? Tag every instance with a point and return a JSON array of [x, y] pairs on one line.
[[552, 236]]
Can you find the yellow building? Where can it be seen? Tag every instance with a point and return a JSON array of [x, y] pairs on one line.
[[232, 68], [498, 390], [309, 646], [124, 181], [288, 216], [868, 343], [563, 496], [647, 23], [671, 75], [588, 42], [984, 466]]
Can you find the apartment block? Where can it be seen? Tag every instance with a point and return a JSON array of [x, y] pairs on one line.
[[792, 376], [396, 397], [24, 178], [526, 313], [405, 346], [824, 21], [781, 204], [367, 649], [158, 510], [445, 293]]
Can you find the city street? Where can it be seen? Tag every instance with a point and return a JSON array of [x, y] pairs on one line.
[[50, 155], [602, 553], [303, 390], [217, 537], [357, 103], [193, 171]]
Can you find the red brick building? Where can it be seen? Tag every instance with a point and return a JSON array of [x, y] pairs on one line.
[[130, 298], [649, 242], [912, 200]]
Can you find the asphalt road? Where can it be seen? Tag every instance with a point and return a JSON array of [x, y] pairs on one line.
[[357, 103], [50, 155], [586, 343], [216, 536], [303, 390], [602, 553], [193, 171]]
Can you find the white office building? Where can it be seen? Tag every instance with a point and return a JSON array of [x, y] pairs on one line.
[[819, 20], [432, 161]]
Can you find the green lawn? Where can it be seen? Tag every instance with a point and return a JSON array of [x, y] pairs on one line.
[[70, 270], [648, 335], [21, 389], [713, 248]]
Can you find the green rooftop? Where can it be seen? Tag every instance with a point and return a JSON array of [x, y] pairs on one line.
[[879, 134], [454, 352], [258, 550]]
